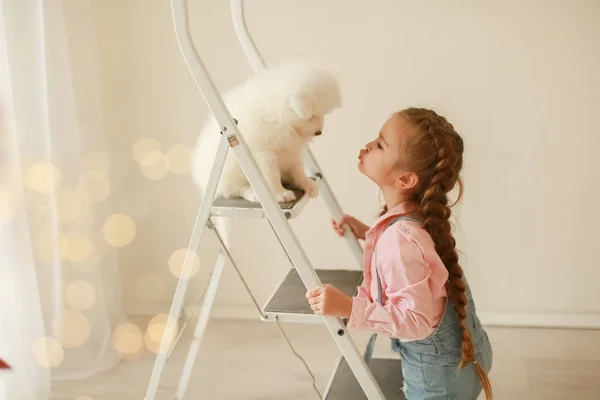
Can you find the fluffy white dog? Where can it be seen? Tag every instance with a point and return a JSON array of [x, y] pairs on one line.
[[279, 110]]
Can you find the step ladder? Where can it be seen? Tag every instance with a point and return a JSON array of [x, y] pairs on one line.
[[352, 379]]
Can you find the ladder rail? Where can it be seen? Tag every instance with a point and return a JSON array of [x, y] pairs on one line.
[[257, 63], [241, 30], [335, 210]]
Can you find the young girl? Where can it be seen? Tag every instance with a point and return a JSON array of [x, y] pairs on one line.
[[414, 290]]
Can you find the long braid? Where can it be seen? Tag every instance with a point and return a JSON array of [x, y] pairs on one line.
[[438, 177]]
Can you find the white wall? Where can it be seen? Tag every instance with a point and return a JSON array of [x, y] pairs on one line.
[[518, 80]]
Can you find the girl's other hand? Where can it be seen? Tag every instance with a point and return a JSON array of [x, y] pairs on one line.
[[358, 228]]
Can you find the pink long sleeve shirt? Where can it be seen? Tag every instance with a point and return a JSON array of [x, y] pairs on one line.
[[412, 277]]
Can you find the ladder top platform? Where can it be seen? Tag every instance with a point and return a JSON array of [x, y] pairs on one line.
[[242, 208]]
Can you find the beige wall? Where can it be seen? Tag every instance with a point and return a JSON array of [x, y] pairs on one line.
[[518, 80]]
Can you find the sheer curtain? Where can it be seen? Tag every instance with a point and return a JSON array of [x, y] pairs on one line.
[[60, 303]]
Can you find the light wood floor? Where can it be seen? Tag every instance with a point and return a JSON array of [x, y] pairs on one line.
[[251, 361]]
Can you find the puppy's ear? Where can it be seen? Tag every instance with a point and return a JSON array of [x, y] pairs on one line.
[[302, 106]]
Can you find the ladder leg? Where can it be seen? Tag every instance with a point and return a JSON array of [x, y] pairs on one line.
[[177, 304], [335, 211], [201, 325]]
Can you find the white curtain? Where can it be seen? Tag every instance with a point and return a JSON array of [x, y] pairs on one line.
[[60, 301]]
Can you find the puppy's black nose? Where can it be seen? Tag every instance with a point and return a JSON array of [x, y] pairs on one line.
[[318, 133]]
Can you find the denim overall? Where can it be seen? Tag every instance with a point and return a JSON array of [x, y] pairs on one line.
[[430, 366]]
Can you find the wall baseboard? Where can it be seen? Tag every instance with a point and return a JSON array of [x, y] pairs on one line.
[[492, 319], [541, 320]]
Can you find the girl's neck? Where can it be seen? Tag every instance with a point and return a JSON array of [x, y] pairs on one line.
[[393, 197]]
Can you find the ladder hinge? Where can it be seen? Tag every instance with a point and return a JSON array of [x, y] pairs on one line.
[[225, 128]]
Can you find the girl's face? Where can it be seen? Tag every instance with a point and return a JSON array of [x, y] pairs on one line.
[[379, 160]]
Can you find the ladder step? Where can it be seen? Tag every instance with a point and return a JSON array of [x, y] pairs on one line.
[[288, 303], [242, 208], [386, 371]]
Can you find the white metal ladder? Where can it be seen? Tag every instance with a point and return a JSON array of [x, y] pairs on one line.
[[299, 278]]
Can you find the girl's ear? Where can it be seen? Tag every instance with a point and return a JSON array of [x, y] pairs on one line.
[[407, 181]]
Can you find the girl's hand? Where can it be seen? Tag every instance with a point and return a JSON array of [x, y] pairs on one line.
[[330, 301], [358, 228]]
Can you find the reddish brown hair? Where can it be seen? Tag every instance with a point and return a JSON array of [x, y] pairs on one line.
[[434, 151]]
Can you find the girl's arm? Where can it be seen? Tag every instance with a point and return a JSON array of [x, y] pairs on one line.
[[413, 293]]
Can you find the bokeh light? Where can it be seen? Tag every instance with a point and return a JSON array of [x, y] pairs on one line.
[[119, 230], [176, 263], [157, 329], [80, 295], [154, 166], [79, 247], [48, 352], [128, 340], [72, 328], [42, 177]]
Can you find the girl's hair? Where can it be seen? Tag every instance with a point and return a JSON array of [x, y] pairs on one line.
[[434, 151]]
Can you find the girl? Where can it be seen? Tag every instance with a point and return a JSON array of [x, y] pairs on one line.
[[414, 290]]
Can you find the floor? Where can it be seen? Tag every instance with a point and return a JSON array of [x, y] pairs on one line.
[[529, 364]]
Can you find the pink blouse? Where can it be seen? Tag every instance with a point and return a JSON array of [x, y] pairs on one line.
[[412, 276]]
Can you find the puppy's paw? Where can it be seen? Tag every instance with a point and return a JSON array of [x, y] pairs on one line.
[[285, 196], [250, 195], [311, 189]]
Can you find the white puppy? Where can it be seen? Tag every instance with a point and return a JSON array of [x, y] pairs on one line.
[[278, 111]]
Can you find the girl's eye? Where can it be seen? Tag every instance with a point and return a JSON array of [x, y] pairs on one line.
[[379, 145]]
